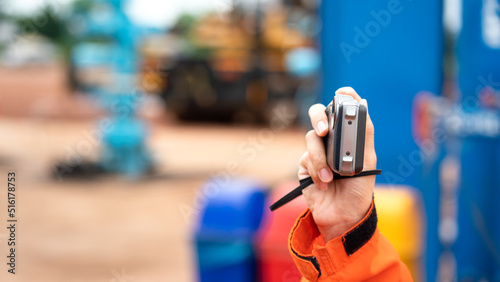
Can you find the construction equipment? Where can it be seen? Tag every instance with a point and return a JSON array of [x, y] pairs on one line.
[[231, 65]]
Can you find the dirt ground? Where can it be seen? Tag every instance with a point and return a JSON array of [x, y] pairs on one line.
[[114, 228]]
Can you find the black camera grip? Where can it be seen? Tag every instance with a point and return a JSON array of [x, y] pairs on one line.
[[304, 183]]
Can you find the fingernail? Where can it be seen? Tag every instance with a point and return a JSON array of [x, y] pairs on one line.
[[321, 126], [325, 175], [342, 89]]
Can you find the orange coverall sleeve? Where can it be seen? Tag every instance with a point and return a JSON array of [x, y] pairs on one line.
[[360, 254]]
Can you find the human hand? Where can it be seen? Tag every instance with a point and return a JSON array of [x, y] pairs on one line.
[[336, 206]]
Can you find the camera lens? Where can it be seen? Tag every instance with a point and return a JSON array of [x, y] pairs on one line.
[[347, 153], [349, 122]]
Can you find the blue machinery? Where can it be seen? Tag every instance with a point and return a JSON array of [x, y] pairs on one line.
[[123, 142], [390, 51], [477, 247]]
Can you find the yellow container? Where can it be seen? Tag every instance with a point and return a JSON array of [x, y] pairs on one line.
[[400, 219]]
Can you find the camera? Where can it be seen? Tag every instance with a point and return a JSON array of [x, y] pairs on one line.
[[345, 142]]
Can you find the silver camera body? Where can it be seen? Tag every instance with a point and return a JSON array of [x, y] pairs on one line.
[[345, 142]]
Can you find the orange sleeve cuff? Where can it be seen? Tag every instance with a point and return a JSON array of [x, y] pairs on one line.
[[361, 253]]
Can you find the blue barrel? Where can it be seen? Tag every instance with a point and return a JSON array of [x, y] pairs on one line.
[[226, 228], [496, 214], [475, 247], [478, 244], [478, 48]]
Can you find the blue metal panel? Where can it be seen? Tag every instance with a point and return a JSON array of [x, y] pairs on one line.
[[479, 47], [478, 243], [475, 239], [388, 51]]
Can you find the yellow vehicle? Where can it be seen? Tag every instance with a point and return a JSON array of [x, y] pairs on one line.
[[229, 66]]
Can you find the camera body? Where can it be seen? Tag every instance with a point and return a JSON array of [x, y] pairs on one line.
[[345, 142]]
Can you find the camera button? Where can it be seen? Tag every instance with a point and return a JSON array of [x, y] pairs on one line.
[[347, 159], [350, 112], [347, 163]]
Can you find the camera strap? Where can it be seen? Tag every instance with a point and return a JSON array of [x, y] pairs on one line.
[[304, 183]]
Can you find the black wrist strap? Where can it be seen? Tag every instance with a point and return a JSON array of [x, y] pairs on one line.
[[308, 181]]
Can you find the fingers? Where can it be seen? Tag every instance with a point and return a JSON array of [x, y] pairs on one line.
[[306, 169], [303, 164], [318, 119], [313, 163], [320, 172], [348, 91], [370, 161]]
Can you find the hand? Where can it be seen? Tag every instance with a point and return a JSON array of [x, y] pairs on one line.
[[336, 206]]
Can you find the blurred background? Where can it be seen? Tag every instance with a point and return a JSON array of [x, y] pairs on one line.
[[149, 138]]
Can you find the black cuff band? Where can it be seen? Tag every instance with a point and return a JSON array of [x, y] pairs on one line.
[[357, 238]]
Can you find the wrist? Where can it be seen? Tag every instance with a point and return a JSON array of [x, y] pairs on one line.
[[343, 224], [331, 232]]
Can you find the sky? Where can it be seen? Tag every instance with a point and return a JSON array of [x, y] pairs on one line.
[[161, 13], [155, 13]]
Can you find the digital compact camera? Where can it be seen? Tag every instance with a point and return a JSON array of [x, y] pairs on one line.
[[345, 142]]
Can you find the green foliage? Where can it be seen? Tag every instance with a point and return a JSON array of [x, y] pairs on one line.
[[183, 24], [46, 23], [82, 6]]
